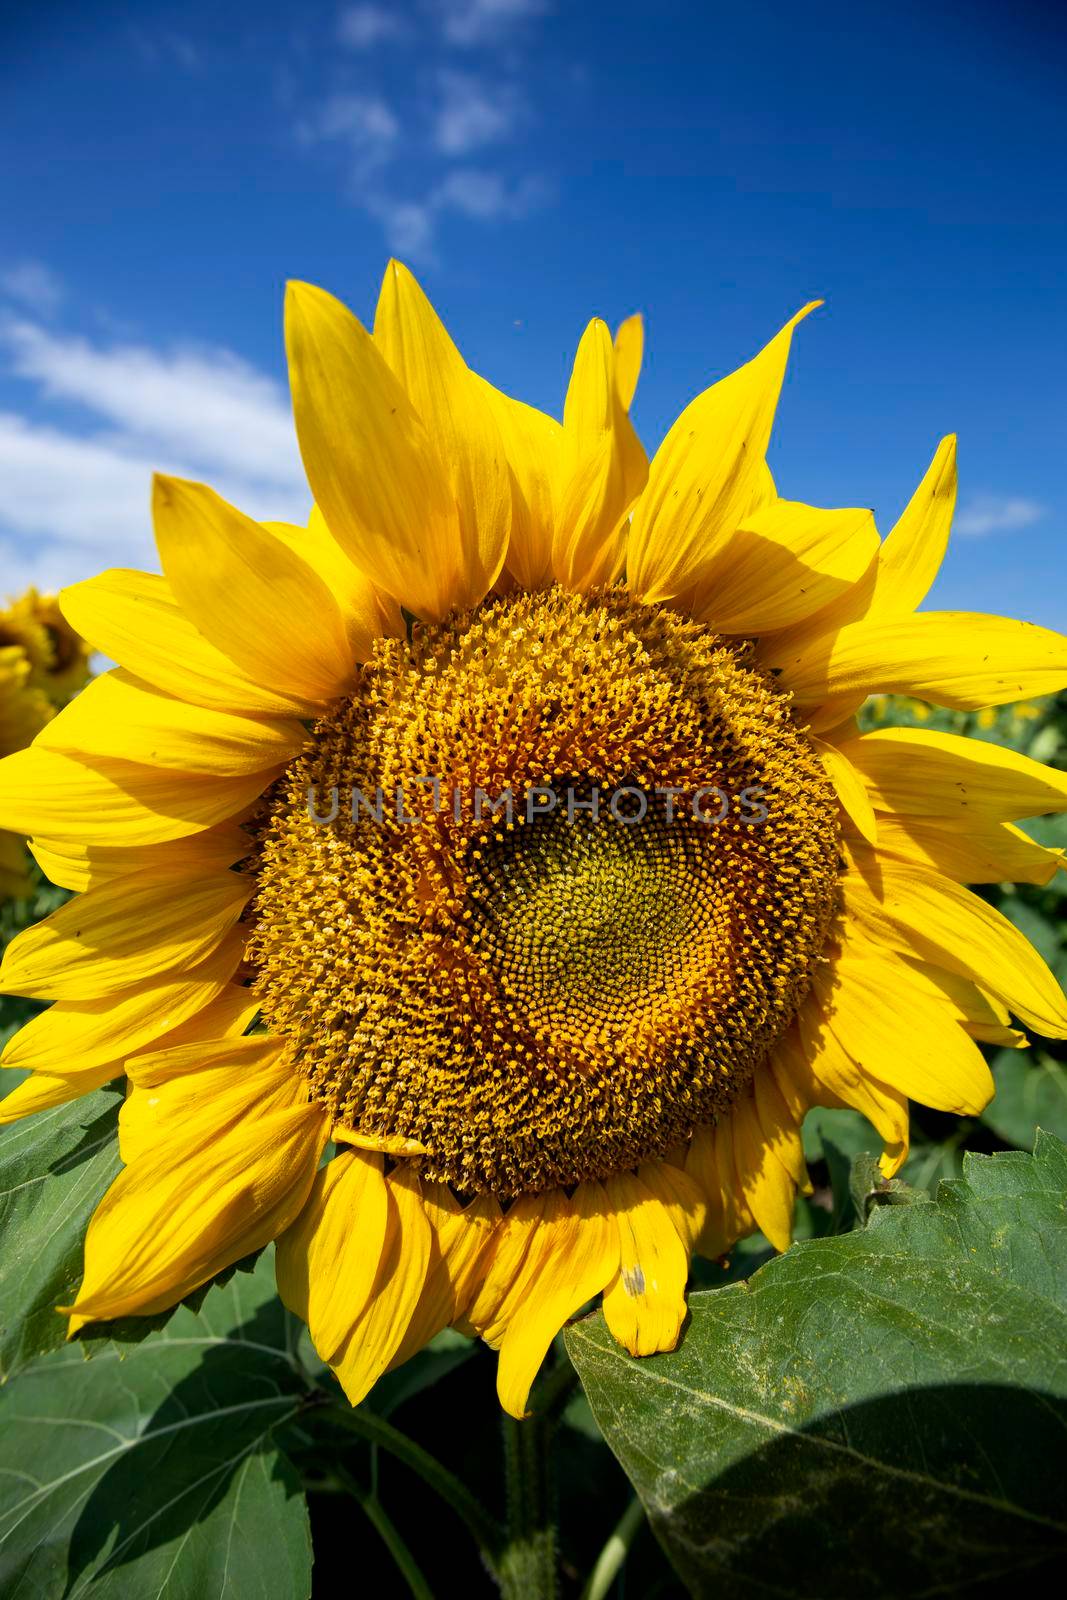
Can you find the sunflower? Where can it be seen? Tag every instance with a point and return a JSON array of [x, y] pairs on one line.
[[505, 835], [42, 663]]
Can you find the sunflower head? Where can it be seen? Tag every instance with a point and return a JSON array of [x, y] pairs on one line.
[[553, 930], [507, 830], [57, 656]]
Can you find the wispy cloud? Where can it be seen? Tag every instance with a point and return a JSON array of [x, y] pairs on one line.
[[35, 285], [407, 127], [362, 27], [166, 48], [410, 226], [473, 113], [487, 196], [363, 123], [82, 495], [478, 22], [991, 513]]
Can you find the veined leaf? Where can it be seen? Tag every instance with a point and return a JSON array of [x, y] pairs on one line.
[[151, 1471], [54, 1167], [1031, 1094], [880, 1413]]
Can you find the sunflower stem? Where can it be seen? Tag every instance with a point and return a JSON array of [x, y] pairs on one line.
[[609, 1561], [527, 1567], [383, 1523], [487, 1533]]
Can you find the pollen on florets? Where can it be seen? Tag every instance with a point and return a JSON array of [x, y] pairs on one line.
[[556, 997]]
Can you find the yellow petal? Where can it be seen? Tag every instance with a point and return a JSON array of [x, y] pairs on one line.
[[784, 561], [644, 1305], [460, 1237], [185, 1051], [832, 714], [899, 577], [975, 851], [533, 443], [230, 1176], [904, 1034], [74, 1037], [250, 593], [780, 1128], [706, 475], [710, 1163], [119, 717], [811, 1056], [679, 1195], [383, 1143], [133, 618], [602, 469], [982, 1015], [503, 1263], [849, 787], [919, 772], [379, 1331], [124, 933], [768, 1188], [573, 1254], [462, 428], [952, 658], [75, 866], [328, 1261], [109, 802], [366, 612], [737, 1214], [43, 1091], [371, 464], [930, 917], [701, 1168], [629, 349], [911, 556]]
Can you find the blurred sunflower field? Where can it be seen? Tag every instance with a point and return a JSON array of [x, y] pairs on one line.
[[879, 1410]]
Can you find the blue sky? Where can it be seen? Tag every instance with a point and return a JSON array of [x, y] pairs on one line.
[[536, 162]]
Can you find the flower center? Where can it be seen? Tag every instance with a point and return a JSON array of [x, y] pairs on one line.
[[577, 865]]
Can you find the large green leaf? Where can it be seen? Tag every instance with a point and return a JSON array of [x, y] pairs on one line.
[[881, 1413], [54, 1167], [151, 1470], [1031, 1094]]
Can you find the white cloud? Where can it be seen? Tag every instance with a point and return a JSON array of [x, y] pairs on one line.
[[992, 513], [75, 502], [209, 405], [478, 22], [361, 27], [487, 197], [363, 122], [35, 285], [471, 114], [406, 174], [408, 225]]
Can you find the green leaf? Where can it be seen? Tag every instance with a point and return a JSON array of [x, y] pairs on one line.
[[152, 1471], [869, 1188], [54, 1167], [880, 1413], [1042, 932], [1031, 1094]]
